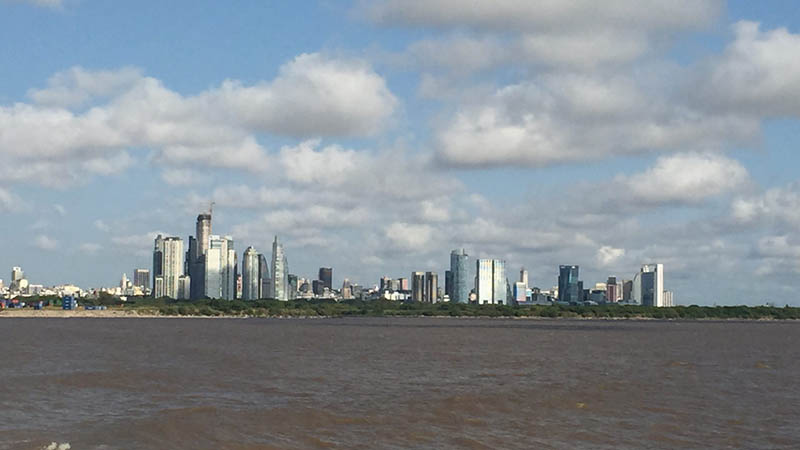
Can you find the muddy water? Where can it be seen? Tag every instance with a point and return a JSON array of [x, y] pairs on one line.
[[398, 383]]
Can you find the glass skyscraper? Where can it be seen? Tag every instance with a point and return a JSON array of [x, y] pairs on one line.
[[280, 273], [460, 284], [568, 284]]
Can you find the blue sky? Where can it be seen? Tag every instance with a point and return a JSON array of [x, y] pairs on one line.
[[375, 136]]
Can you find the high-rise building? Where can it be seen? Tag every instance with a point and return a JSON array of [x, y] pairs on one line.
[[251, 276], [403, 282], [523, 277], [490, 282], [265, 279], [669, 301], [569, 287], [123, 283], [326, 276], [184, 287], [317, 287], [520, 292], [220, 265], [141, 278], [280, 273], [196, 256], [459, 267], [627, 288], [611, 290], [652, 285], [448, 284], [292, 283], [431, 287], [347, 290], [167, 266], [417, 286]]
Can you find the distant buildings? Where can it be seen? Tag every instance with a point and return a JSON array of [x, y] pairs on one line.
[[417, 286], [326, 276], [196, 255], [651, 290], [220, 262], [141, 278]]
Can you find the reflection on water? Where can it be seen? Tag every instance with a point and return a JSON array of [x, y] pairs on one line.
[[398, 383]]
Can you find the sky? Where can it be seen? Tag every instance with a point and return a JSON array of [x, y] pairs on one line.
[[376, 136]]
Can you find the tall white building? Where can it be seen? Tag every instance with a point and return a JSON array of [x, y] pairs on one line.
[[490, 282], [17, 275], [220, 265], [167, 266], [652, 280], [251, 279], [280, 273]]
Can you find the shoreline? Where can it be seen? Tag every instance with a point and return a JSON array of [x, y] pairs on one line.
[[134, 314]]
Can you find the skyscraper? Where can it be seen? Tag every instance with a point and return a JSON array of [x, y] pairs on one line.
[[280, 273], [196, 256], [326, 276], [141, 278], [184, 286], [265, 279], [652, 285], [17, 275], [459, 267], [448, 284], [167, 266], [431, 287], [292, 284], [490, 282], [251, 277], [220, 261], [568, 284], [417, 286], [523, 276], [612, 291]]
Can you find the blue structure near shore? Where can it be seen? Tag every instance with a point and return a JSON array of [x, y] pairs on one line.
[[68, 302]]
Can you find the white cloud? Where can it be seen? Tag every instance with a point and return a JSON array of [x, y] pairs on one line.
[[44, 242], [9, 201], [53, 4], [685, 178], [607, 255], [102, 226], [759, 72], [778, 206], [409, 237], [504, 15], [85, 121], [60, 210]]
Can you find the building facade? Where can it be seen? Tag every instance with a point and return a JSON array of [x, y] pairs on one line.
[[417, 286], [280, 273], [652, 285], [326, 276], [431, 287], [167, 266], [569, 288], [490, 282]]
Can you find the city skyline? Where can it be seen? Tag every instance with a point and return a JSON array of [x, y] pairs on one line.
[[376, 137]]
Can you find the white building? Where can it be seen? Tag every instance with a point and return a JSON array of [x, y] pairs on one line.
[[251, 280], [280, 273], [220, 267], [168, 266], [490, 282]]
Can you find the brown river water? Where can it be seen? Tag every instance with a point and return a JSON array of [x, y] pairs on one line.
[[398, 383]]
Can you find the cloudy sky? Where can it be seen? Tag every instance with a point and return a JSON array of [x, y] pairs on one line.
[[376, 136]]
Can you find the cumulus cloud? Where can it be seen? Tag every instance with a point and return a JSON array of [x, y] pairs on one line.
[[758, 72], [409, 237], [85, 121], [44, 242], [779, 206], [90, 248], [685, 179], [607, 255], [9, 201], [53, 4]]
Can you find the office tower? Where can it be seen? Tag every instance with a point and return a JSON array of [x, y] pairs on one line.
[[570, 290], [123, 283], [611, 290], [220, 263], [459, 267], [431, 287], [417, 286], [317, 287], [448, 284], [523, 276], [291, 281], [636, 288], [652, 285], [326, 276], [265, 281], [490, 282], [403, 282], [627, 288], [184, 287], [347, 290], [251, 276], [385, 285], [280, 273], [141, 278], [167, 266], [196, 254]]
